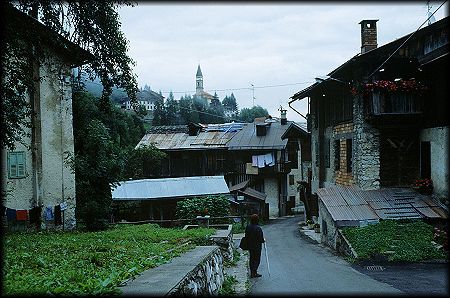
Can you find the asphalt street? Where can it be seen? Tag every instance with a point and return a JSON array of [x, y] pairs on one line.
[[300, 267]]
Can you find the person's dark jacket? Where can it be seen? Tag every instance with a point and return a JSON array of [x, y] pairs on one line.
[[254, 235]]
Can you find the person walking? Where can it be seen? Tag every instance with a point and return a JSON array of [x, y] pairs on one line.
[[255, 238]]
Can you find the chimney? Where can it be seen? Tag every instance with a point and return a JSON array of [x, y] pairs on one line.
[[283, 119], [368, 35]]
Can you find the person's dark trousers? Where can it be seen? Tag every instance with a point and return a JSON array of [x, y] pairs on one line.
[[255, 258]]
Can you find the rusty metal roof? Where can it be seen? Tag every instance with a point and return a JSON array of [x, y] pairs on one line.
[[212, 136], [349, 205]]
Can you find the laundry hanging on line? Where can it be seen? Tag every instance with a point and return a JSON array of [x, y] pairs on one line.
[[263, 160]]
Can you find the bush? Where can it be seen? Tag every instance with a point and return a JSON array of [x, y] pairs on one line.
[[214, 206]]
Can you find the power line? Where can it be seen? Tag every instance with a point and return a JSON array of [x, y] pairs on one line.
[[220, 90], [390, 56]]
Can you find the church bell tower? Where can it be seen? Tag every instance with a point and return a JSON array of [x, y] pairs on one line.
[[198, 81]]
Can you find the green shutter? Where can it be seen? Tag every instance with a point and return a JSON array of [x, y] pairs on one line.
[[16, 164]]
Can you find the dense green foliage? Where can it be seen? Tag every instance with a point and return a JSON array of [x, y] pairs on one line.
[[409, 240], [249, 114], [89, 263], [104, 155], [144, 162], [228, 285], [91, 25], [214, 206]]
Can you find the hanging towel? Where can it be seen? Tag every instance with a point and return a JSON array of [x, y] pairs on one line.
[[10, 214], [58, 220], [21, 214], [261, 161], [269, 159], [254, 160], [35, 215], [49, 213]]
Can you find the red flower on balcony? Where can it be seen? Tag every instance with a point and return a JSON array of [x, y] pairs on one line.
[[424, 186], [406, 86]]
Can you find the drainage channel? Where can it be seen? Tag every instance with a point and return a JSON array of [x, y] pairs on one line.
[[375, 268]]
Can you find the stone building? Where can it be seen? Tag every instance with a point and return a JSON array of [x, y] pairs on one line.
[[380, 119], [36, 175], [201, 94]]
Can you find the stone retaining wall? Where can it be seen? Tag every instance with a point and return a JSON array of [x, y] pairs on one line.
[[224, 240], [197, 272], [206, 279]]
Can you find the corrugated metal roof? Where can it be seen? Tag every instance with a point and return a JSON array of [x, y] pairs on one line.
[[348, 204], [212, 136], [151, 189], [247, 139]]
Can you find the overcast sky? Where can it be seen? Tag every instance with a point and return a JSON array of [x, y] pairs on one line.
[[264, 44]]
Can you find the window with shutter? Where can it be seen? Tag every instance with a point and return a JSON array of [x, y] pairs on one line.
[[16, 165]]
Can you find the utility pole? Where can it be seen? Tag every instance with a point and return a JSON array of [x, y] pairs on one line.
[[253, 89]]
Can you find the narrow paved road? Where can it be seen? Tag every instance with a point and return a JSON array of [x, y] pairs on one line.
[[299, 267]]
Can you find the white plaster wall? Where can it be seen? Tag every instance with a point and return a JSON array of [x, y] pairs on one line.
[[271, 190], [438, 138], [298, 176], [58, 181]]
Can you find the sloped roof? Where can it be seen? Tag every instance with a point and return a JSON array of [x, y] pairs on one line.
[[211, 137], [295, 129], [349, 205], [72, 53], [169, 188], [247, 139]]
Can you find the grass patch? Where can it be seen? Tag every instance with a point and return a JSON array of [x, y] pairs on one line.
[[228, 286], [236, 259], [409, 241], [80, 263]]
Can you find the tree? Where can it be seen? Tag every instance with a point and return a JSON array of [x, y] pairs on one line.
[[104, 144], [144, 162], [249, 114], [92, 25], [172, 110], [159, 113], [229, 104]]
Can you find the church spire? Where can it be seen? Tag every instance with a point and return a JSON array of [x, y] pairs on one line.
[[198, 81]]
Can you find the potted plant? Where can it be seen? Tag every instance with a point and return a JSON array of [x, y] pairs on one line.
[[317, 228], [310, 224]]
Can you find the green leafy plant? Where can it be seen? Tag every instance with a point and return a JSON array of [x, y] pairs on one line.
[[214, 206], [408, 241], [89, 263], [228, 285]]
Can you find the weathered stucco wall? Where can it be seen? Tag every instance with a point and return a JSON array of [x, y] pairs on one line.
[[438, 138], [53, 182], [272, 192]]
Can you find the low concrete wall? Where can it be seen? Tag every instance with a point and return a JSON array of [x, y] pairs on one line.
[[197, 272], [343, 246]]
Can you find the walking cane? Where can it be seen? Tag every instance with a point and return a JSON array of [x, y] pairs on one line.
[[267, 258]]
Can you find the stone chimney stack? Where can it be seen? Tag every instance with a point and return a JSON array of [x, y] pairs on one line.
[[368, 35], [283, 116]]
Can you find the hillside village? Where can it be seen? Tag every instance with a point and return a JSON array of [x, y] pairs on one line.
[[372, 149]]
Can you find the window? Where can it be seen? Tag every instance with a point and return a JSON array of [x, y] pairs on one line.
[[337, 155], [291, 179], [16, 164], [349, 154], [326, 153]]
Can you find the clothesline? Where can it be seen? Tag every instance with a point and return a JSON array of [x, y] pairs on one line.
[[52, 213], [263, 160]]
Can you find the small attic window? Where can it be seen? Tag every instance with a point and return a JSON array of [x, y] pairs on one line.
[[368, 25]]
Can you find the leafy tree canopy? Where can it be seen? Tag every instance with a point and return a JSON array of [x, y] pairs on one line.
[[249, 114], [92, 25]]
